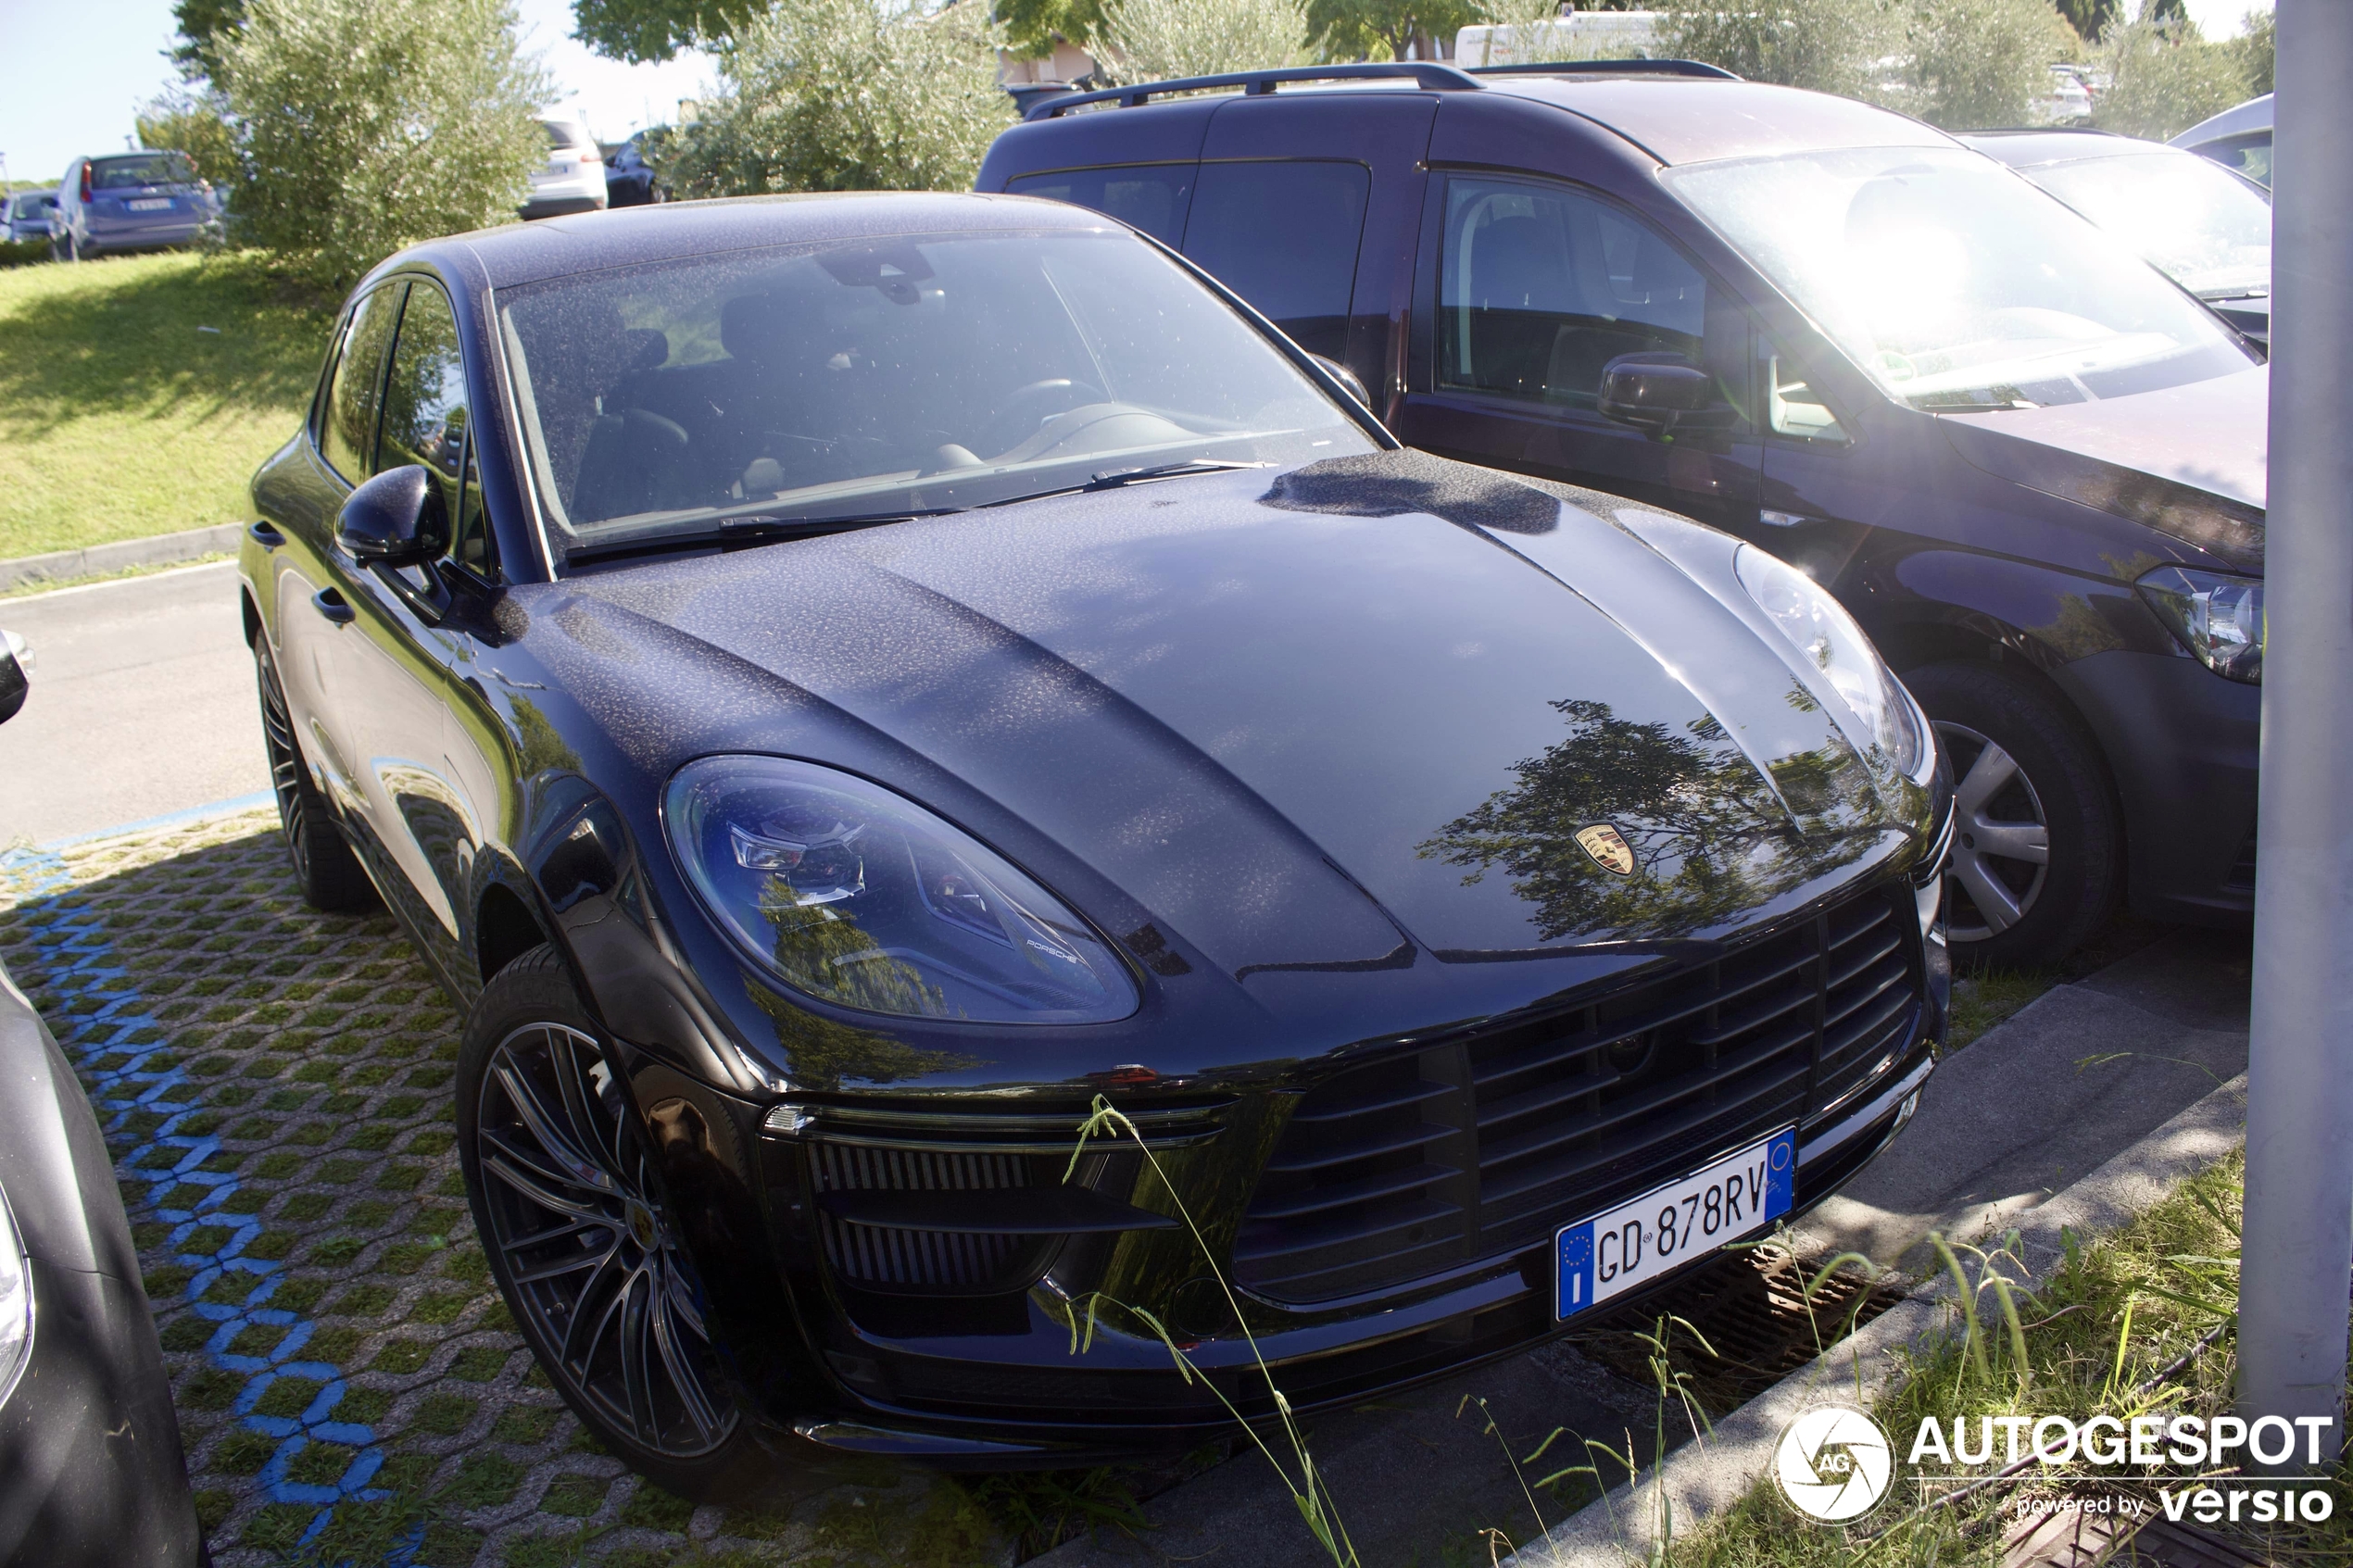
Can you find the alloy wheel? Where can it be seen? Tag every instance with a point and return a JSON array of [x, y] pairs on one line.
[[286, 766], [2001, 838], [590, 1255]]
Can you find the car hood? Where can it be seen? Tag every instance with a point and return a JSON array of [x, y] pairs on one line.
[[1311, 721], [2188, 461]]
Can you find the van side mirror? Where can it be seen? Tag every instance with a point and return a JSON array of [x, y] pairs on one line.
[[1662, 395], [396, 518], [15, 659]]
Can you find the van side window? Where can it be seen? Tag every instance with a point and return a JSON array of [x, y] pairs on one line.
[[1151, 196], [1284, 237], [348, 437], [1539, 288]]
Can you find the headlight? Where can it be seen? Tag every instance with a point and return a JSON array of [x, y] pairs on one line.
[[15, 1304], [859, 896], [2217, 617], [1827, 637]]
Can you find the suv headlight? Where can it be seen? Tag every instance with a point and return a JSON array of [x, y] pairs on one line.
[[15, 1304], [1827, 638], [861, 898], [2217, 616]]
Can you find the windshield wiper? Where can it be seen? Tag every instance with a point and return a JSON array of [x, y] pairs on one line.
[[745, 528], [1112, 479]]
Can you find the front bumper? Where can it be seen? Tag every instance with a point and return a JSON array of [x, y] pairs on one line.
[[90, 1466], [2182, 744], [956, 1347]]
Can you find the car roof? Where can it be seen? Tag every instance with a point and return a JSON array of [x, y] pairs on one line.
[[2253, 115], [1698, 119], [2034, 146], [521, 253]]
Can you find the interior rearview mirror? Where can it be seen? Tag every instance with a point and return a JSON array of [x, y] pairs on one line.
[[1349, 380], [1661, 394], [16, 663], [396, 518]]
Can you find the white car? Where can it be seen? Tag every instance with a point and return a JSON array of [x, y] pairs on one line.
[[574, 180]]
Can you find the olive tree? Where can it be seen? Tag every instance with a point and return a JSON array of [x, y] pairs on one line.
[[366, 125], [1829, 46], [1155, 40], [846, 96], [1972, 64], [2165, 78]]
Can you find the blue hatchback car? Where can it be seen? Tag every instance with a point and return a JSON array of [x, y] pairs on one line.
[[131, 201], [2032, 465]]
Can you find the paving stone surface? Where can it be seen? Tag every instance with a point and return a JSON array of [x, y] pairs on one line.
[[274, 1083]]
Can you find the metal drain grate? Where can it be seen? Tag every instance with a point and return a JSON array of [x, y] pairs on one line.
[[1751, 1308]]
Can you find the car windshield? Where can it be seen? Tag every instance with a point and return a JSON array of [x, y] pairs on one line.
[[2207, 230], [886, 377], [1953, 284], [143, 169]]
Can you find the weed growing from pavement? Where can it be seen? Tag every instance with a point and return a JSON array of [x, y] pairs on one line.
[[2140, 1321]]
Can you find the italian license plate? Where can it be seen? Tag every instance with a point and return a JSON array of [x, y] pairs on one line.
[[1735, 1196], [150, 204]]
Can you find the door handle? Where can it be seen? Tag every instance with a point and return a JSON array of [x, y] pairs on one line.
[[329, 603], [266, 536]]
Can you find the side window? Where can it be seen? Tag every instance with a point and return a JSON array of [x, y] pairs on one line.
[[1539, 288], [1284, 237], [426, 417], [347, 435], [1151, 196]]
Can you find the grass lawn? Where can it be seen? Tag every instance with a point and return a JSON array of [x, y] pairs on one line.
[[119, 418]]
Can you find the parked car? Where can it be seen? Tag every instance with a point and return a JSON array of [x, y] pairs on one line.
[[2028, 465], [89, 1446], [2239, 139], [129, 201], [942, 661], [28, 216], [2067, 101], [573, 177], [2204, 227], [629, 179]]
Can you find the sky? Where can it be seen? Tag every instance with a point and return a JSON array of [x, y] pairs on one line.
[[76, 73]]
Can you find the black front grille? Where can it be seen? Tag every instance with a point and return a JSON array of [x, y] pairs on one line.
[[1444, 1157]]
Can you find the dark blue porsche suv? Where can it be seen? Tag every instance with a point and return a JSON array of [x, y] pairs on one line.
[[2029, 465]]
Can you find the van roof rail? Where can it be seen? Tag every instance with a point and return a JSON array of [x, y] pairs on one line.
[[1609, 68], [1433, 75]]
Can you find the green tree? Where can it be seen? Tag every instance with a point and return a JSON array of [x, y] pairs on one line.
[[202, 23], [1031, 26], [846, 96], [2164, 77], [1157, 40], [639, 30], [1980, 63], [366, 125], [1829, 46], [1359, 29], [2257, 46], [2090, 17], [194, 122]]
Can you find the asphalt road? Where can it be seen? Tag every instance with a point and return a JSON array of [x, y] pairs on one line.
[[141, 705]]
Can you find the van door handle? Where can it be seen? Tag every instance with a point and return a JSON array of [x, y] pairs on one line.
[[266, 536], [329, 603]]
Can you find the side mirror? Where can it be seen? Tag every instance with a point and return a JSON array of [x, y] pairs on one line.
[[1348, 379], [396, 518], [15, 659], [1661, 394]]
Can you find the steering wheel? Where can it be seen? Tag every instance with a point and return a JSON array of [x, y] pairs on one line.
[[1032, 406]]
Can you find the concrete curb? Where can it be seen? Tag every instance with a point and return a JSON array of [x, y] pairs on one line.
[[1711, 1475], [161, 550]]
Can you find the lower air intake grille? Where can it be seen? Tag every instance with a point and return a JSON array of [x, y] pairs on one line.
[[926, 1260], [1403, 1169]]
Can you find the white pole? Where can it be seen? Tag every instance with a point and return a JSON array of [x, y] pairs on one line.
[[2299, 1243]]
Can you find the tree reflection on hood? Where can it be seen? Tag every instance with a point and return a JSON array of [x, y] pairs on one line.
[[1711, 837]]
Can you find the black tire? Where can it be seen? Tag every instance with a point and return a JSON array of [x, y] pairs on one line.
[[325, 868], [2027, 781], [570, 1214]]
